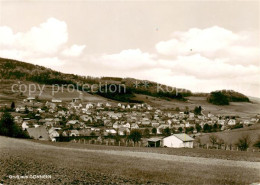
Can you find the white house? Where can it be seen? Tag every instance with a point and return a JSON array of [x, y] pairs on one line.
[[56, 101], [232, 122], [24, 125], [178, 141], [74, 133]]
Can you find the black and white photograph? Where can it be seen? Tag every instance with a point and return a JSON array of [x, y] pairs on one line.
[[129, 92]]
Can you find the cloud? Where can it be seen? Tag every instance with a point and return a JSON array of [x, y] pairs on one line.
[[43, 44], [131, 59], [46, 38], [213, 42], [206, 68], [196, 59], [74, 50]]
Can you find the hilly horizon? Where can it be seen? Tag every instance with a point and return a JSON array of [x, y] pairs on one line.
[[13, 69]]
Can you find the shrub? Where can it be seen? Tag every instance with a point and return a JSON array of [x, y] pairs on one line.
[[9, 128], [257, 143], [218, 98], [135, 135], [243, 143]]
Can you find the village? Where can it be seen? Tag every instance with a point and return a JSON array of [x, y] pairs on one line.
[[76, 120]]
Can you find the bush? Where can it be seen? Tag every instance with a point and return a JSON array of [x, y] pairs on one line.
[[135, 135], [166, 131], [9, 128], [218, 98], [257, 143], [244, 143]]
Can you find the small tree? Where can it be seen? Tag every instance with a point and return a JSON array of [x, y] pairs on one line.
[[213, 139], [207, 128], [12, 105], [197, 110], [198, 127], [26, 110], [154, 130], [9, 128], [244, 142], [135, 135], [257, 143], [146, 132], [220, 142], [92, 134], [166, 131], [180, 129], [177, 109]]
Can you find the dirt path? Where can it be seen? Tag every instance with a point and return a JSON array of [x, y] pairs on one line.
[[10, 142]]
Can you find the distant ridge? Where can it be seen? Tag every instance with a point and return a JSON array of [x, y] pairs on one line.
[[17, 70]]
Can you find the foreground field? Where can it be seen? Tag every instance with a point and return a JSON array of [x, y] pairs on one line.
[[84, 164]]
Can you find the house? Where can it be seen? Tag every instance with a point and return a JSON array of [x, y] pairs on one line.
[[221, 122], [123, 131], [24, 125], [154, 142], [110, 131], [20, 109], [127, 125], [72, 122], [56, 101], [38, 133], [29, 99], [76, 100], [178, 141], [74, 133], [134, 126], [231, 122], [161, 128], [191, 115], [53, 133], [116, 125]]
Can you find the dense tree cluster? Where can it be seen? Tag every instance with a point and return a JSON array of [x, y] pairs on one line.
[[9, 128]]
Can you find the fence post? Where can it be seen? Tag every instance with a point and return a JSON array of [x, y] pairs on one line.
[[119, 143], [207, 146]]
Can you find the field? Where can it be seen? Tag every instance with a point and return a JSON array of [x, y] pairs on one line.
[[232, 136], [242, 109], [69, 163]]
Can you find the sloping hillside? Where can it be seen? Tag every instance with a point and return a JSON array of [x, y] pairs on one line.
[[232, 136], [16, 70], [13, 72]]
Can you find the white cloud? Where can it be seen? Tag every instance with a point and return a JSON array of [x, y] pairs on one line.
[[41, 44], [74, 50], [206, 68], [6, 36], [198, 59], [213, 42], [46, 38], [130, 59]]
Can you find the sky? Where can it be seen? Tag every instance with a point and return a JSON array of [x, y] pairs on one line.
[[197, 45]]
